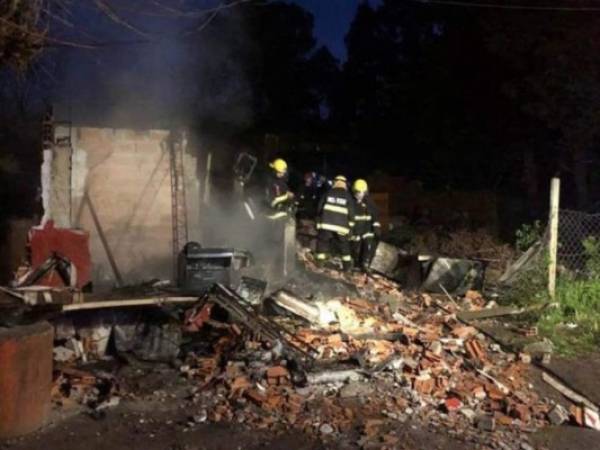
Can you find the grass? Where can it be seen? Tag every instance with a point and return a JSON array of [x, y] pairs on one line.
[[574, 325]]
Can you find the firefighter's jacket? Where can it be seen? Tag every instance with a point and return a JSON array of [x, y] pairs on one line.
[[336, 212], [366, 219], [277, 198]]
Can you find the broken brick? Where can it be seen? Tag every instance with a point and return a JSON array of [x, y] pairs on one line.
[[521, 412], [504, 420], [474, 350], [577, 414], [410, 333], [390, 439], [272, 402], [255, 397], [479, 393], [473, 295], [494, 393], [277, 372], [442, 383], [464, 332], [424, 385], [452, 404], [371, 427], [240, 383]]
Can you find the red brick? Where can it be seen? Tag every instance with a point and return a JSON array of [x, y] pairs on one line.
[[474, 350], [453, 404], [577, 414], [255, 397], [424, 385], [277, 372], [464, 332], [522, 413]]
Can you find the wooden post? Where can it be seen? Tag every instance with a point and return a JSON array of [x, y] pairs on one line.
[[207, 180], [553, 222]]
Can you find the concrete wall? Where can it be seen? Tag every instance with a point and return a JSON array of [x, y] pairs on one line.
[[127, 179]]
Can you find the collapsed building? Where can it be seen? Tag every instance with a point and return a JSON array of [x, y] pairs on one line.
[[120, 206], [116, 185]]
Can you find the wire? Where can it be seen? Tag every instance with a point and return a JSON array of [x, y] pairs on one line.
[[504, 6], [110, 13]]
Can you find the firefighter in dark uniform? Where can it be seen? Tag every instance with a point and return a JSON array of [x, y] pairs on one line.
[[334, 223], [367, 229], [278, 195], [279, 209]]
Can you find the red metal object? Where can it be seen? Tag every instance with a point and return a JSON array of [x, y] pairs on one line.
[[25, 378], [69, 243], [194, 318]]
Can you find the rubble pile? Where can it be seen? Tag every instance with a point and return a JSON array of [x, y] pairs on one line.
[[73, 387], [377, 362], [479, 243]]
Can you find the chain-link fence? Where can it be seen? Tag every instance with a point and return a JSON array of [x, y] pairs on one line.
[[577, 254], [578, 244]]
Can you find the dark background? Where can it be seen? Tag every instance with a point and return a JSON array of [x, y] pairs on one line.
[[457, 96]]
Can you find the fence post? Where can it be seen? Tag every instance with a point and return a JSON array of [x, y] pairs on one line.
[[553, 222]]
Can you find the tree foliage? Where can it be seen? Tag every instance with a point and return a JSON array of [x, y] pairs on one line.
[[259, 65], [22, 32]]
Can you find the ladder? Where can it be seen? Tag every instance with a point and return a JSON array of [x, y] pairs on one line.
[[177, 144]]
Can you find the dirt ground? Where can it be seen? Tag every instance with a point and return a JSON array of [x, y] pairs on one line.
[[160, 418], [124, 429], [157, 411], [150, 426]]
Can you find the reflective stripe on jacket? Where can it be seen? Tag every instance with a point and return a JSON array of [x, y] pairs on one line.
[[277, 196], [336, 210], [366, 218]]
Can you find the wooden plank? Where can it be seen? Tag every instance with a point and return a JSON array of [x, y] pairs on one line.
[[109, 254], [568, 392], [497, 312], [128, 303]]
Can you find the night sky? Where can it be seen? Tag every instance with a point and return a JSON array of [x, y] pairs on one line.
[[332, 21], [160, 59]]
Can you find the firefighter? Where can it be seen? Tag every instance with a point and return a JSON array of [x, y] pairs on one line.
[[367, 228], [334, 223], [279, 211], [278, 195]]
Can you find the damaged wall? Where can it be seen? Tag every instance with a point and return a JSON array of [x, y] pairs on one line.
[[126, 175]]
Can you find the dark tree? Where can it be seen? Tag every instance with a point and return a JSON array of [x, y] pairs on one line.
[[259, 67]]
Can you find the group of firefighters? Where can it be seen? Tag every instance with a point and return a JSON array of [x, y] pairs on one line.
[[346, 219]]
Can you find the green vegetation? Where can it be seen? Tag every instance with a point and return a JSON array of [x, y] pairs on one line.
[[573, 324], [528, 234]]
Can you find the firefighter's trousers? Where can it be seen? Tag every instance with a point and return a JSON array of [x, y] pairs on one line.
[[363, 250], [330, 242]]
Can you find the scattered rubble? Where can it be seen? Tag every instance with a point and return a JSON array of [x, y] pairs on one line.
[[369, 368], [332, 366]]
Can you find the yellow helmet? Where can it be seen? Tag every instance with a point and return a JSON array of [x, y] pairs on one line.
[[341, 178], [279, 165], [360, 185]]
